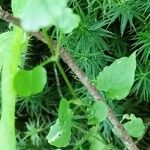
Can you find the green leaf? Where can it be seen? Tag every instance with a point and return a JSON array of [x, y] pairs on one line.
[[17, 6], [30, 82], [124, 21], [97, 112], [96, 143], [68, 21], [60, 133], [117, 79], [59, 136], [135, 127], [65, 114], [43, 13]]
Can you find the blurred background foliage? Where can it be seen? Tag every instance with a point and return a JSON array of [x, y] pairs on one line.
[[109, 29]]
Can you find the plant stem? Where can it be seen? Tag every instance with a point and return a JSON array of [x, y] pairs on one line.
[[66, 79], [52, 49], [8, 94], [58, 82], [8, 98]]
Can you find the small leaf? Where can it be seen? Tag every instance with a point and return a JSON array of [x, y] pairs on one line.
[[68, 21], [30, 82], [59, 136], [60, 133], [117, 79], [135, 127], [65, 114], [97, 112], [97, 143]]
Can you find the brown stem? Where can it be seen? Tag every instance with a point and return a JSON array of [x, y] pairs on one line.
[[123, 135]]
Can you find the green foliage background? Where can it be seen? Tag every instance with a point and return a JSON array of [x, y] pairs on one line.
[[109, 29]]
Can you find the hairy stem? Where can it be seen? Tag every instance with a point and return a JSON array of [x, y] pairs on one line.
[[8, 97], [8, 94]]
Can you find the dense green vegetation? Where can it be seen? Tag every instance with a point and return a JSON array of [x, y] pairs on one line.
[[53, 109]]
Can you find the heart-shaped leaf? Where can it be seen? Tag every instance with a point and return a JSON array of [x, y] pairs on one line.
[[97, 112], [30, 82], [135, 126]]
